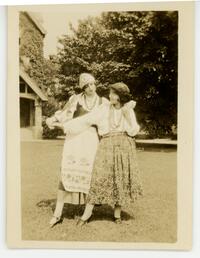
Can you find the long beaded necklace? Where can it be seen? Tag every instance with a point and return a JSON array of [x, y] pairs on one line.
[[114, 124], [94, 100]]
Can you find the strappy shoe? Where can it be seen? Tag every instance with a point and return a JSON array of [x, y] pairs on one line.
[[118, 220], [82, 222], [55, 220]]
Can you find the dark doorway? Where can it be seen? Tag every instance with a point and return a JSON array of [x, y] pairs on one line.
[[26, 112]]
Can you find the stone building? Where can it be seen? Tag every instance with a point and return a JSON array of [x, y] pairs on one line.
[[31, 36]]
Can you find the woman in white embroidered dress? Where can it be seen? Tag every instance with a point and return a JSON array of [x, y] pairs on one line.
[[79, 150], [115, 177]]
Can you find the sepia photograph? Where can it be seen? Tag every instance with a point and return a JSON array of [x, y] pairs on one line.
[[99, 125]]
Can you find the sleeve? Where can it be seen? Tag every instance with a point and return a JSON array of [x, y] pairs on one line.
[[80, 124], [131, 104], [50, 122], [67, 112], [132, 127], [105, 101]]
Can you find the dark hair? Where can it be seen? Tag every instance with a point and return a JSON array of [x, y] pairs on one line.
[[80, 90], [85, 86], [77, 90], [124, 97]]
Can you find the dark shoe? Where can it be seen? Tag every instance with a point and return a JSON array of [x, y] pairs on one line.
[[118, 220]]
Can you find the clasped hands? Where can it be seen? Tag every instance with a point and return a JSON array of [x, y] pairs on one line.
[[53, 123]]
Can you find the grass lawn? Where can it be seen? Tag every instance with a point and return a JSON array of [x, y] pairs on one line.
[[151, 219]]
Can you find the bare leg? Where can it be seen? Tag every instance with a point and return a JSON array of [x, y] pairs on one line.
[[117, 213], [59, 208], [59, 203], [87, 212]]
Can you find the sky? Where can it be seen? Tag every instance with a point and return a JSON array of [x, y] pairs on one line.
[[57, 24]]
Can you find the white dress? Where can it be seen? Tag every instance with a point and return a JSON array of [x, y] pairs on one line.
[[78, 152]]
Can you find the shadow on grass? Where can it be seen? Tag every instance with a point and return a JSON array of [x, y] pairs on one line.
[[70, 211]]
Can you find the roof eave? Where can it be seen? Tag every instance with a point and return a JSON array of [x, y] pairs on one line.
[[37, 24], [33, 85]]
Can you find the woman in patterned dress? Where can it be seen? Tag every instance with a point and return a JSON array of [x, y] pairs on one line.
[[79, 150], [115, 178]]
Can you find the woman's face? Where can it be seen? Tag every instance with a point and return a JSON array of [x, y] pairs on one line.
[[114, 98], [90, 89]]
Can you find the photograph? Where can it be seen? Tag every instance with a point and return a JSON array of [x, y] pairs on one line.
[[97, 95]]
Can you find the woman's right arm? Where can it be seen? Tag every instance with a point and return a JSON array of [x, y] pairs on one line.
[[65, 114]]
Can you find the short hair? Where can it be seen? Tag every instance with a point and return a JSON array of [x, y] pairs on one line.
[[122, 90]]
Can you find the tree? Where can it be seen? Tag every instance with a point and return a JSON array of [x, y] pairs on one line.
[[138, 48]]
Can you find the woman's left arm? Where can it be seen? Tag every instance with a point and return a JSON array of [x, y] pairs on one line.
[[79, 124], [132, 125]]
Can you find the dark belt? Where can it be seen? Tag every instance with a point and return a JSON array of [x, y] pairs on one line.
[[114, 134]]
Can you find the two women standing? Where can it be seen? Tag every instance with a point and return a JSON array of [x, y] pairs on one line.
[[115, 176], [113, 168]]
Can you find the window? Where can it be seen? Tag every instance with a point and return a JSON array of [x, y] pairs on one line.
[[29, 90], [22, 86]]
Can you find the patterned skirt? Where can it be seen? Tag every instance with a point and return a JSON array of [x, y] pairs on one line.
[[115, 178]]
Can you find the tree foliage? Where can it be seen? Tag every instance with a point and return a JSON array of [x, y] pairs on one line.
[[138, 48]]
